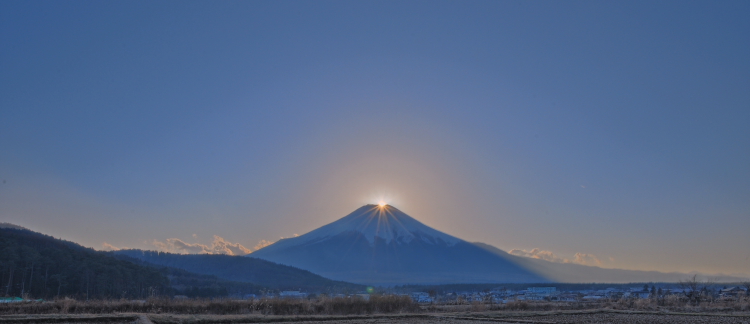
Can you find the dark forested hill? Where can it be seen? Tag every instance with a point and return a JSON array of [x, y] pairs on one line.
[[40, 266], [191, 284], [244, 269], [44, 267]]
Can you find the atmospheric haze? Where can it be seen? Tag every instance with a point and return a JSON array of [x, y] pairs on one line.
[[601, 133]]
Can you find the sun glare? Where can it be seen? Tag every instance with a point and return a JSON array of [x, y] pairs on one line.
[[381, 204]]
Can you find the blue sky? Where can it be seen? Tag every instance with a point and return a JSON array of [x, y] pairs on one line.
[[615, 129]]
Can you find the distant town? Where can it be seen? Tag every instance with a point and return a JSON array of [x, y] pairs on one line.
[[551, 293], [503, 295]]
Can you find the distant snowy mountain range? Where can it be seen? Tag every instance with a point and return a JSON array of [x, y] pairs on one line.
[[381, 245]]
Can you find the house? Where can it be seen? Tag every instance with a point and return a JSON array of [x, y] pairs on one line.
[[567, 297], [421, 297], [732, 292]]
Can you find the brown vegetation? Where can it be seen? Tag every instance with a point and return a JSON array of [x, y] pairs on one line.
[[560, 317], [355, 305], [671, 303], [274, 306], [379, 309]]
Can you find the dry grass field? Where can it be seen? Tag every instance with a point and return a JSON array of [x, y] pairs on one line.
[[271, 306], [72, 318], [561, 317], [380, 309]]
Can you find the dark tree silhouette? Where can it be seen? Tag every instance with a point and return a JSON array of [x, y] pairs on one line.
[[30, 261]]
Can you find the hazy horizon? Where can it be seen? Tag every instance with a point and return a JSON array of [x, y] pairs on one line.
[[611, 134]]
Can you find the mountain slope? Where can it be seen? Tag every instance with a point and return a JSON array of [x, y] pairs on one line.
[[577, 273], [45, 267], [370, 222], [192, 284], [242, 269], [382, 245]]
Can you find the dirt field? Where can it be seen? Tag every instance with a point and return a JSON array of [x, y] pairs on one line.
[[584, 317], [637, 319], [598, 316], [73, 319]]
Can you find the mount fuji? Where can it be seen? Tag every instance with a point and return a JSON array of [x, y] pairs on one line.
[[382, 245]]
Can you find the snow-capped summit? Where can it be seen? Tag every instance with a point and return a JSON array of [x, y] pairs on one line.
[[385, 222], [379, 244]]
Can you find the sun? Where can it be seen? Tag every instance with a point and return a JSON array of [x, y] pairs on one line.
[[382, 204]]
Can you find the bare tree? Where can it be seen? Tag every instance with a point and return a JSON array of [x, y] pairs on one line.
[[695, 290], [60, 282]]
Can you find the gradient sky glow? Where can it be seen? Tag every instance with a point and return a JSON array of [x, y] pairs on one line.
[[618, 129]]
